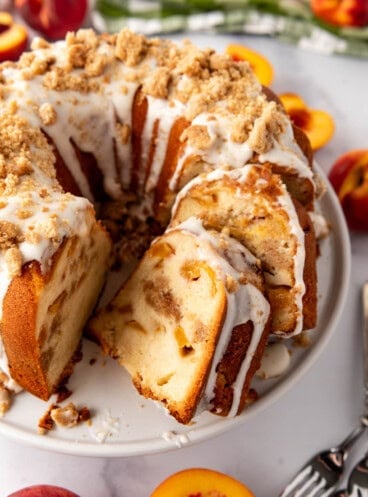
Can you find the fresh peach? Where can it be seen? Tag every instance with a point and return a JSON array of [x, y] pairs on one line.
[[341, 12], [6, 20], [13, 38], [260, 65], [349, 177], [318, 125], [200, 482], [43, 491], [53, 18]]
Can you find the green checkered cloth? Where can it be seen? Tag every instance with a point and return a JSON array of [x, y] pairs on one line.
[[288, 20]]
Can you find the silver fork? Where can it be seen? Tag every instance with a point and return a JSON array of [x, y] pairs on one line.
[[358, 480], [320, 476], [357, 485], [322, 473]]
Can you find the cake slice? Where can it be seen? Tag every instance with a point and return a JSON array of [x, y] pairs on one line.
[[45, 309], [191, 323], [254, 206]]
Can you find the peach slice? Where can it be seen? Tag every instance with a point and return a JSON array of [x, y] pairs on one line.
[[201, 482], [341, 12], [318, 125], [13, 38], [191, 270], [260, 65]]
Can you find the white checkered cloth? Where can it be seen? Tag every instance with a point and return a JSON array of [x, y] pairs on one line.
[[288, 20]]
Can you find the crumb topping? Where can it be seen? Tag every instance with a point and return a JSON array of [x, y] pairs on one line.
[[39, 42], [231, 284], [157, 84], [14, 260], [203, 80], [130, 47], [21, 145], [5, 399], [32, 66], [197, 136], [57, 79], [82, 53], [48, 114], [268, 125], [10, 235]]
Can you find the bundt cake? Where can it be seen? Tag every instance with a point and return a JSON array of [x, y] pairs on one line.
[[119, 124], [192, 319]]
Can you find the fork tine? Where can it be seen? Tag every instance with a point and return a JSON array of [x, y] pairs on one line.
[[305, 491], [298, 479], [328, 492], [320, 487]]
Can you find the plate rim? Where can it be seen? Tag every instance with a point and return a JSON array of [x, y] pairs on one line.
[[221, 425]]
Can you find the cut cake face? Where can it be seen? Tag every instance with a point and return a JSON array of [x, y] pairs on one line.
[[172, 323]]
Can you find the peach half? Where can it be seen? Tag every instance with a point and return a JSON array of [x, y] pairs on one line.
[[201, 482], [349, 177], [53, 18], [13, 38]]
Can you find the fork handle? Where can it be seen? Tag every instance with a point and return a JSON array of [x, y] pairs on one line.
[[347, 444]]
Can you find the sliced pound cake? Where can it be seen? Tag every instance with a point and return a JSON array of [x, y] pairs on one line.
[[191, 323]]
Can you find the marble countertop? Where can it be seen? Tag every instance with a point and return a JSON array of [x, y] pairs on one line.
[[320, 409]]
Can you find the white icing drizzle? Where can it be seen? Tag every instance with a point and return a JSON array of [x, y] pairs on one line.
[[104, 426], [275, 361], [241, 175], [217, 174], [68, 216], [225, 152], [122, 97], [222, 151], [158, 109], [298, 289], [245, 304], [147, 136], [113, 102], [178, 439], [286, 152], [320, 224]]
